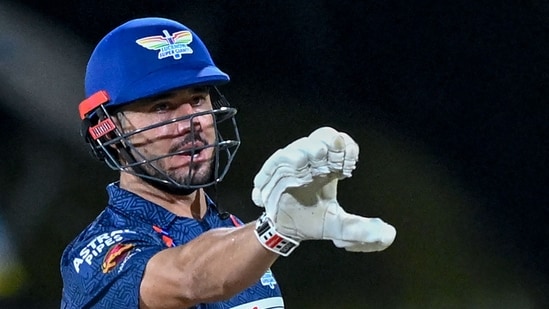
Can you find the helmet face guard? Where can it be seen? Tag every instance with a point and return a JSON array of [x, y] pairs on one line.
[[110, 143], [142, 58]]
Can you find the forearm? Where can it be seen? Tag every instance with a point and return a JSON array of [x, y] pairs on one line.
[[214, 266], [225, 261]]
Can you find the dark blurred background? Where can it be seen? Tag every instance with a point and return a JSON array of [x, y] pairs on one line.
[[448, 101]]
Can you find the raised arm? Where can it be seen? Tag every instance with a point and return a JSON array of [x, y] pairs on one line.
[[297, 187]]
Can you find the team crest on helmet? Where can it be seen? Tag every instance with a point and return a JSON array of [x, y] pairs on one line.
[[115, 255], [170, 45]]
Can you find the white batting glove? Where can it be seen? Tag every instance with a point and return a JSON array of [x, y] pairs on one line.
[[297, 186]]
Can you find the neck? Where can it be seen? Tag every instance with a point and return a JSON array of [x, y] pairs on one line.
[[192, 205]]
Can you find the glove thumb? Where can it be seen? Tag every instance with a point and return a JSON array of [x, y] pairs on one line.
[[358, 234]]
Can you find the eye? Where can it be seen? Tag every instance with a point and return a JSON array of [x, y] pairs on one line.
[[161, 107], [198, 100]]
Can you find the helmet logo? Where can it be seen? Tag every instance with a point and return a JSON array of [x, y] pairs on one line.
[[168, 45]]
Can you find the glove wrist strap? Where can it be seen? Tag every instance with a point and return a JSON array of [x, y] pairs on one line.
[[272, 240]]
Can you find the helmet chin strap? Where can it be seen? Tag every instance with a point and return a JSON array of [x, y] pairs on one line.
[[221, 212]]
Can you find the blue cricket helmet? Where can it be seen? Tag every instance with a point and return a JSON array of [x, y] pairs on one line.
[[148, 56]]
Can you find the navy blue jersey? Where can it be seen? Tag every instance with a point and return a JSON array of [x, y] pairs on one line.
[[103, 266]]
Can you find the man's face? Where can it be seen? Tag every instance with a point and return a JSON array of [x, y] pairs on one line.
[[193, 163]]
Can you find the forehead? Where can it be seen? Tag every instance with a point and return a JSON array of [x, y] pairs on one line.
[[177, 94]]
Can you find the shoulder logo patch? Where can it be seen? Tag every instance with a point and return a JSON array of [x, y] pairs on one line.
[[115, 255], [170, 45], [97, 246]]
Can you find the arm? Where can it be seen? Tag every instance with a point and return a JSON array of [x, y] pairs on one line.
[[297, 186], [214, 266]]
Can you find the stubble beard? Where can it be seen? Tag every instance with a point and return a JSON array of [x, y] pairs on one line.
[[196, 173]]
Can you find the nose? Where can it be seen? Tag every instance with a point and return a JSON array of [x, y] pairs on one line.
[[185, 109], [190, 124]]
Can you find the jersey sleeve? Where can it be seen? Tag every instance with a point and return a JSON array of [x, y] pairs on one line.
[[105, 270]]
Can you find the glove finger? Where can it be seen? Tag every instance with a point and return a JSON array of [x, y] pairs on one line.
[[316, 153], [351, 155], [335, 145], [287, 167], [283, 160], [342, 150], [321, 160], [323, 132], [303, 155], [300, 154], [271, 194], [256, 197]]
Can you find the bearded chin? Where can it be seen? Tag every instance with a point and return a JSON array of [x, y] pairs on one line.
[[196, 174], [199, 174]]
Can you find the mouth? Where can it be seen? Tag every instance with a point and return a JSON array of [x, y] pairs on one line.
[[192, 151]]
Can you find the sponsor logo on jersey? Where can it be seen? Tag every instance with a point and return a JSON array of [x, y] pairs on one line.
[[115, 255], [170, 45], [268, 279], [97, 246]]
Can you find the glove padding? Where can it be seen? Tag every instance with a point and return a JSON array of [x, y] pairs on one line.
[[297, 186]]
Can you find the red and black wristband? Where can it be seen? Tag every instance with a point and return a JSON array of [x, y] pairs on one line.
[[271, 239]]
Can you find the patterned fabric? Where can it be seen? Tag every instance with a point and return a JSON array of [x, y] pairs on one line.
[[103, 266]]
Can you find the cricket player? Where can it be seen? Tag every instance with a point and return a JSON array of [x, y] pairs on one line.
[[153, 111]]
